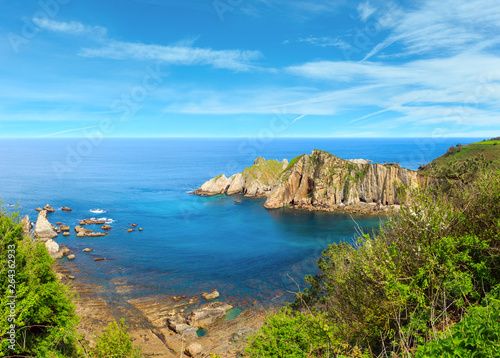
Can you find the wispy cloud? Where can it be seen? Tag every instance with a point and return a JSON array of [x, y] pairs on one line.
[[72, 27], [365, 10], [440, 27], [67, 131], [325, 41], [236, 60]]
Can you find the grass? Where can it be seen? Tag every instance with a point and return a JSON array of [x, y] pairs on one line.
[[293, 161], [490, 149]]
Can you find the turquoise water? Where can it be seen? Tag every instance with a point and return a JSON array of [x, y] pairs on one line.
[[189, 244]]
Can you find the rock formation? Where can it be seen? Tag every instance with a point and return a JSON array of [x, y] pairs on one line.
[[53, 249], [208, 314], [323, 181], [43, 228], [254, 181], [26, 224], [319, 181]]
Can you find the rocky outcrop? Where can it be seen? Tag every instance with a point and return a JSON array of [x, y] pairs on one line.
[[254, 181], [48, 208], [319, 181], [43, 228], [26, 222], [53, 248], [322, 181], [208, 314]]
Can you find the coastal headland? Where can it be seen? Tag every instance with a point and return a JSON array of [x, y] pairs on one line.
[[319, 182]]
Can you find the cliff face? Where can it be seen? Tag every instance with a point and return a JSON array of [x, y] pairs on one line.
[[319, 181], [254, 181], [322, 181]]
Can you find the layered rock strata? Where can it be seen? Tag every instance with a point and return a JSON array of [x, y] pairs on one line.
[[321, 181]]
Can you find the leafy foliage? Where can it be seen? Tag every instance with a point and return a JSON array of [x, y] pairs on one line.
[[397, 290], [44, 314], [115, 342], [477, 335]]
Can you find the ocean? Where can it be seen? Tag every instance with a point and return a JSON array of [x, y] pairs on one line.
[[189, 244]]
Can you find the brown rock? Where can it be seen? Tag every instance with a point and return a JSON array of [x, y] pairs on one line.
[[193, 350], [140, 229], [71, 257], [65, 251], [26, 224], [210, 296], [66, 233], [97, 234], [99, 259], [106, 227], [130, 230], [208, 314], [71, 277], [87, 250], [65, 208], [38, 209], [48, 208], [81, 234], [58, 223], [64, 227], [134, 225]]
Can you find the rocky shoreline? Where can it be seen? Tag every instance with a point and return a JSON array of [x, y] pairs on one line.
[[319, 182], [164, 326]]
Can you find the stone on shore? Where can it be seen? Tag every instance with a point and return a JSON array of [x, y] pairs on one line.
[[53, 249], [210, 296], [43, 228], [178, 326], [208, 314], [194, 349]]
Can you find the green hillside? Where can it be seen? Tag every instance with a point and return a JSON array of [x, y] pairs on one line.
[[468, 158]]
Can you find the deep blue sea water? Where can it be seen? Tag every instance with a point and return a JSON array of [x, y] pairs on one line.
[[189, 244]]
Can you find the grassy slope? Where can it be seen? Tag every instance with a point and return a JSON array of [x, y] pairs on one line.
[[489, 149]]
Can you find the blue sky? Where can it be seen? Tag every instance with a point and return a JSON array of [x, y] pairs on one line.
[[153, 68]]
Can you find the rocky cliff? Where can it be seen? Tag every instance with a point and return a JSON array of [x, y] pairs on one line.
[[254, 181], [322, 181], [319, 181]]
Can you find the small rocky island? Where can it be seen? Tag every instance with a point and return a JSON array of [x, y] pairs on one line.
[[318, 182]]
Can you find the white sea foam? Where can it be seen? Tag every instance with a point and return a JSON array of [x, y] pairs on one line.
[[107, 220], [97, 211]]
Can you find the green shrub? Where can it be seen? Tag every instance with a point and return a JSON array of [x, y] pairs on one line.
[[44, 314], [115, 342], [293, 335], [476, 335]]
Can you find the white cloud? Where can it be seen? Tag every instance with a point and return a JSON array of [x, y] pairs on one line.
[[177, 55], [72, 27], [325, 42], [365, 10], [440, 27]]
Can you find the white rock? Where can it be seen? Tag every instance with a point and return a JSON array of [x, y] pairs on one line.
[[193, 350], [53, 249], [43, 228]]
